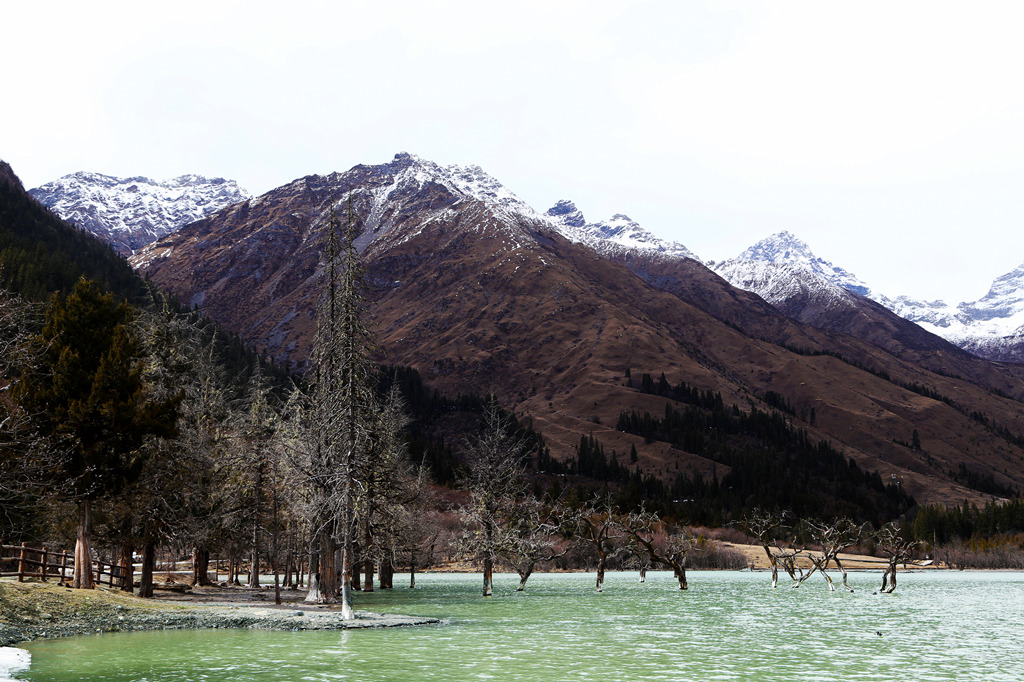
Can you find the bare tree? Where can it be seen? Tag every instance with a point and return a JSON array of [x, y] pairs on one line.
[[764, 525], [494, 479], [664, 543], [532, 539], [599, 526], [833, 537], [897, 548]]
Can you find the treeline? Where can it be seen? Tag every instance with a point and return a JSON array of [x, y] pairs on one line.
[[994, 522], [41, 254], [772, 464]]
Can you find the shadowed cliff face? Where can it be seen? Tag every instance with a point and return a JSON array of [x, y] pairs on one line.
[[480, 294]]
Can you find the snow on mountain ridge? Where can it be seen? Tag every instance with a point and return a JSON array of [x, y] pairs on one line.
[[782, 269], [619, 232], [132, 212]]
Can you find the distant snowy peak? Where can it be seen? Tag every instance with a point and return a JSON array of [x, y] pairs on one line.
[[783, 271], [784, 247], [1004, 300], [132, 212], [780, 283], [615, 234]]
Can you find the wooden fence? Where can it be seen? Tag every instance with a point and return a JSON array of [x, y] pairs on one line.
[[22, 561]]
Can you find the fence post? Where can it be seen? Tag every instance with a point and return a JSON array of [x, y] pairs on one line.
[[21, 563], [43, 566]]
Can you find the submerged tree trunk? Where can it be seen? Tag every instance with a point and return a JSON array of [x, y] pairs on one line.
[[680, 570], [368, 576], [412, 572], [386, 575], [488, 576], [889, 575], [524, 575], [843, 571], [601, 561], [83, 579]]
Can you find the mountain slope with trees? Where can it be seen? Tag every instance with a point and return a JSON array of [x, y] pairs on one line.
[[483, 295]]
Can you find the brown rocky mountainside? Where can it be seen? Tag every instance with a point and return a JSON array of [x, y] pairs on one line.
[[480, 293]]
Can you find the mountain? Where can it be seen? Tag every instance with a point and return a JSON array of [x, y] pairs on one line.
[[784, 247], [132, 212], [991, 327], [41, 254], [783, 270], [481, 293], [612, 237]]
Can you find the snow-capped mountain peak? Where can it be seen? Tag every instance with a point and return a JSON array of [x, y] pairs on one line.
[[132, 212], [618, 233], [785, 248]]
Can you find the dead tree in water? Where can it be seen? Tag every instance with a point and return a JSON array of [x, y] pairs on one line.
[[763, 524], [663, 543], [833, 537], [494, 479], [898, 550], [531, 540], [598, 525]]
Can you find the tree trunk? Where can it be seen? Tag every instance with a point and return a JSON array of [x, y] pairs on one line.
[[315, 593], [368, 576], [288, 570], [83, 548], [843, 571], [254, 562], [148, 564], [127, 580], [346, 578], [412, 572], [524, 575], [643, 574], [200, 566], [601, 561], [681, 573], [357, 575], [488, 576], [323, 585]]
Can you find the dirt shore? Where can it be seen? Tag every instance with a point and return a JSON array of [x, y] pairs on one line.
[[35, 610]]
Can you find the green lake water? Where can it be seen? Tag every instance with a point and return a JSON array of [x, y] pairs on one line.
[[728, 626]]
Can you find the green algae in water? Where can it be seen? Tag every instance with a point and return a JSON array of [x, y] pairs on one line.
[[728, 626]]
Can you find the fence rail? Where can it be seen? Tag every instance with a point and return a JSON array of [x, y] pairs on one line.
[[22, 561]]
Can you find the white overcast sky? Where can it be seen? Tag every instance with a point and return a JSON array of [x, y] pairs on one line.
[[887, 135]]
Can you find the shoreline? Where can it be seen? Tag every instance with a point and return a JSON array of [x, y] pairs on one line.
[[35, 610]]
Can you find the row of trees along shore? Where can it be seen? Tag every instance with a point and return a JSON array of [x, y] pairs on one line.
[[125, 420]]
